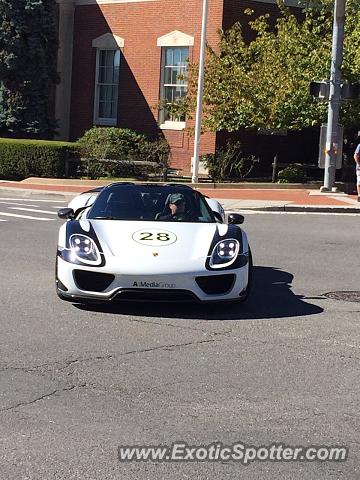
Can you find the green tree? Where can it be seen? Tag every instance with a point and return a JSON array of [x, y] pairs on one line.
[[28, 48], [265, 83]]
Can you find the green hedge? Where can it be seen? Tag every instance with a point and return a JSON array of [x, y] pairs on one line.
[[131, 154], [20, 159], [132, 169], [292, 174]]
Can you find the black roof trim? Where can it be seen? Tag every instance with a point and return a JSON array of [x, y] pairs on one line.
[[93, 190], [144, 184], [178, 185], [119, 183]]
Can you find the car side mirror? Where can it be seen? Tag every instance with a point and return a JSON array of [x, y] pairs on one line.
[[235, 219], [66, 213]]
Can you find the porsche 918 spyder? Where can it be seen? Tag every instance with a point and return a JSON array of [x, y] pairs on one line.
[[150, 242]]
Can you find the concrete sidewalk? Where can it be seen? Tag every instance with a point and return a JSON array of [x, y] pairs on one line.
[[237, 197]]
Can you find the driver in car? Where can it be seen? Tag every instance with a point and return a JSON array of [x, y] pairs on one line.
[[177, 204]]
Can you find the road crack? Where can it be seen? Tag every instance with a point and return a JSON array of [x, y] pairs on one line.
[[65, 364], [68, 363], [180, 327], [42, 397]]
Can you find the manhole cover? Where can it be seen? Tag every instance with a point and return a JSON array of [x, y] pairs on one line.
[[344, 296]]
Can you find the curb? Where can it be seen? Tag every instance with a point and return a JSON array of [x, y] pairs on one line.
[[256, 186], [203, 185], [27, 192], [315, 209], [301, 208]]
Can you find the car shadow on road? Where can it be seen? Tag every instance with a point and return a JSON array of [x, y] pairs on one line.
[[271, 297]]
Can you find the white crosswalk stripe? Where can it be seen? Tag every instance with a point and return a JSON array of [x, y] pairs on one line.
[[33, 210], [22, 209], [21, 204], [28, 217], [33, 200]]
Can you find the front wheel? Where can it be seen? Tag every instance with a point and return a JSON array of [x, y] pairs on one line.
[[246, 293]]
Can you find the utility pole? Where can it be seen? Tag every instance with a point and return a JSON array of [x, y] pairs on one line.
[[332, 134], [199, 99]]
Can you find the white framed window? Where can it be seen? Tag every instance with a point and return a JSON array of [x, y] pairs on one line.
[[173, 84], [106, 86]]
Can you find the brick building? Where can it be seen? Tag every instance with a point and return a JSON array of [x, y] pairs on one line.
[[119, 58]]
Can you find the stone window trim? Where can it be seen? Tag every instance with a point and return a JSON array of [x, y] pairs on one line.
[[108, 41], [175, 39]]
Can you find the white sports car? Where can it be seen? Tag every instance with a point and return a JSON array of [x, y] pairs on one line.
[[153, 243]]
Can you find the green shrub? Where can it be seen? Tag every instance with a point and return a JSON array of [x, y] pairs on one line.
[[228, 162], [126, 147], [114, 144], [20, 159], [94, 169], [292, 174], [132, 169]]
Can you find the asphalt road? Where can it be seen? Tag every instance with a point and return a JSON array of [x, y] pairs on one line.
[[76, 383]]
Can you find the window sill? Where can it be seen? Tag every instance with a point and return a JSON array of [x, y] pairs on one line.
[[110, 122], [173, 126]]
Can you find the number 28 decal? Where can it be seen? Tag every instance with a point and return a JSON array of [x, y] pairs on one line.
[[154, 237]]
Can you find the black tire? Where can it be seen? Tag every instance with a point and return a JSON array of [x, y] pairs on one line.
[[58, 291], [247, 292]]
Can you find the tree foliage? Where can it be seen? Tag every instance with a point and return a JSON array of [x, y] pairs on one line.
[[28, 47], [265, 83]]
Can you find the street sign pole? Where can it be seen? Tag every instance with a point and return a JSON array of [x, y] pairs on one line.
[[332, 136], [197, 136]]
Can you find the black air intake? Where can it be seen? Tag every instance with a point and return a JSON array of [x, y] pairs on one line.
[[92, 281], [216, 284]]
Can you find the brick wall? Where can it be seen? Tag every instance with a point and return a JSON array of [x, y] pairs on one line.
[[140, 24], [234, 12]]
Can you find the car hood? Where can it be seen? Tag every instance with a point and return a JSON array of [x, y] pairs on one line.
[[156, 246]]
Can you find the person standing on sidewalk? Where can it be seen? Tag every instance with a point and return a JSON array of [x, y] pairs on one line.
[[357, 160]]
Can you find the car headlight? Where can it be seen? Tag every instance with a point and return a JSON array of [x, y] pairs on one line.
[[224, 253], [84, 249]]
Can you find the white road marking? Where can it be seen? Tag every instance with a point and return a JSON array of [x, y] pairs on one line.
[[27, 217], [3, 220], [33, 210], [35, 200], [21, 204]]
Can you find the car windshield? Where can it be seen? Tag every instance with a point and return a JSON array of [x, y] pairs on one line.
[[151, 203]]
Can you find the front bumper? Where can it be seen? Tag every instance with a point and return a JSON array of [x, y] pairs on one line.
[[75, 282]]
